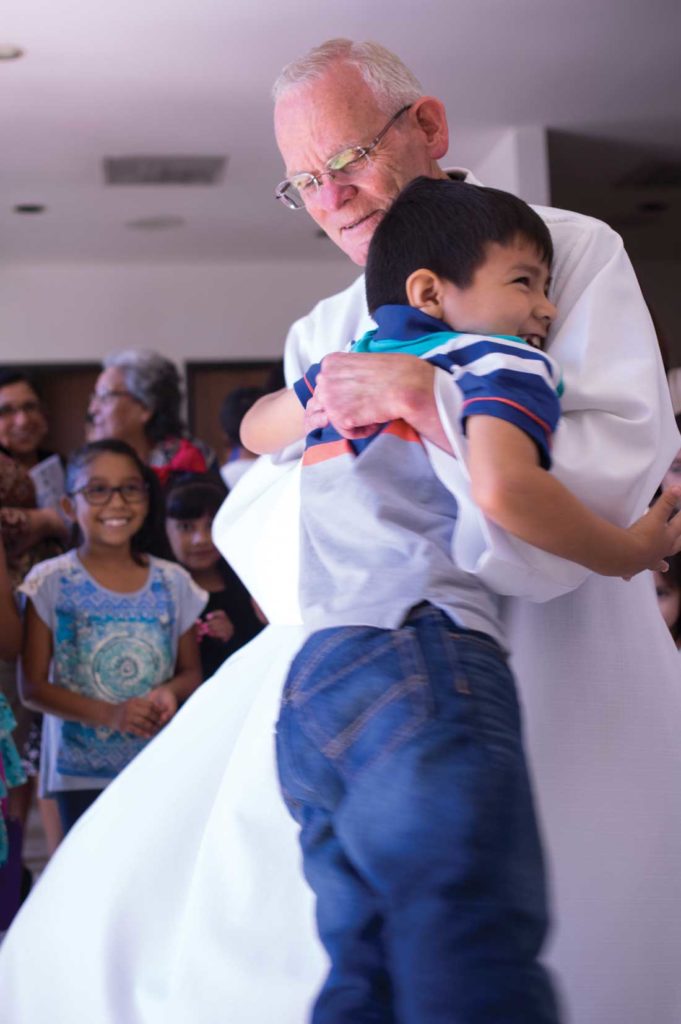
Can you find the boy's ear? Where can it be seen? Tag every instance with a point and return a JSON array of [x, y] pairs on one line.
[[424, 291], [68, 508]]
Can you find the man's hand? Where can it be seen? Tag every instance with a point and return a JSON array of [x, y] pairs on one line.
[[360, 390]]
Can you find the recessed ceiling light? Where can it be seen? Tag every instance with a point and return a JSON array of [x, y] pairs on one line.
[[29, 208], [161, 223], [10, 52]]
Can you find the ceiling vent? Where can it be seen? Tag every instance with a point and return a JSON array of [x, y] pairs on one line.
[[164, 170], [658, 174]]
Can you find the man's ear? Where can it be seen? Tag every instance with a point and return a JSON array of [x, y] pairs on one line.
[[68, 508], [431, 119], [425, 292]]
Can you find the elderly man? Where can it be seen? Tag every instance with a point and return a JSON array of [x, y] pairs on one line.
[[353, 127], [203, 915]]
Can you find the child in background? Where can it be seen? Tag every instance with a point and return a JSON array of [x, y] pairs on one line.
[[668, 587], [115, 623], [11, 772], [229, 620]]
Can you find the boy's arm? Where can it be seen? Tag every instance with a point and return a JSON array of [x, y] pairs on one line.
[[514, 492], [275, 421]]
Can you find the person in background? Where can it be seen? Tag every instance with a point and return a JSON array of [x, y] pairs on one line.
[[668, 590], [29, 535], [673, 475], [233, 408], [137, 399], [115, 623], [229, 620], [11, 771], [23, 429]]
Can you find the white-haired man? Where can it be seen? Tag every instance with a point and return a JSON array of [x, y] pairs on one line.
[[353, 127]]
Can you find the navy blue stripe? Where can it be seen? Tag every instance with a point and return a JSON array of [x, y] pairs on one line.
[[406, 323], [301, 387]]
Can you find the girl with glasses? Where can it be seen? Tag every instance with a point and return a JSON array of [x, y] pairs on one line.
[[116, 625]]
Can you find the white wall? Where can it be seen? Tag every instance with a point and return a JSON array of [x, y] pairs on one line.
[[514, 159], [62, 312], [77, 312]]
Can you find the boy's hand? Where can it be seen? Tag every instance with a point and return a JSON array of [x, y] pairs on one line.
[[658, 535], [315, 415], [216, 624]]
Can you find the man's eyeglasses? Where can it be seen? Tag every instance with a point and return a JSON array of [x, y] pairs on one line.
[[300, 189], [133, 493], [30, 408]]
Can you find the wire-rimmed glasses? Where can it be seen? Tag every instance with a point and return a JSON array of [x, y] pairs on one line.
[[300, 189]]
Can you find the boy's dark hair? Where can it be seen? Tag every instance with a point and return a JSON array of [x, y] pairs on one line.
[[444, 226], [193, 495], [150, 538]]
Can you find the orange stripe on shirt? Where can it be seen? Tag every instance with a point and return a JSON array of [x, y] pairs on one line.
[[515, 405], [402, 429], [328, 450]]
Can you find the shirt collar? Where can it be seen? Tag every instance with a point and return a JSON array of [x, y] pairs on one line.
[[406, 323]]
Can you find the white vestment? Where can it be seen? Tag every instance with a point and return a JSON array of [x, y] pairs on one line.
[[179, 898]]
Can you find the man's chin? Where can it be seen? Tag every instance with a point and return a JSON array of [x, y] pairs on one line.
[[355, 241]]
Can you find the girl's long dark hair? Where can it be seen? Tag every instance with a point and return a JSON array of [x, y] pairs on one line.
[[150, 539]]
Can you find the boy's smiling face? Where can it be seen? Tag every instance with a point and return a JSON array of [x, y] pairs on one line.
[[506, 296]]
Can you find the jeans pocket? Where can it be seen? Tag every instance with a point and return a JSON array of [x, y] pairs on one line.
[[359, 693], [482, 673]]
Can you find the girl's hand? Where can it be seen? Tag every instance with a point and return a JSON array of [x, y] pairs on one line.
[[216, 624], [139, 716], [165, 702]]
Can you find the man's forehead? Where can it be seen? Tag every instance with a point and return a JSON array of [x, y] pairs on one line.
[[315, 120]]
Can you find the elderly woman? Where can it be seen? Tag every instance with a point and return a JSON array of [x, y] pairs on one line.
[[137, 399]]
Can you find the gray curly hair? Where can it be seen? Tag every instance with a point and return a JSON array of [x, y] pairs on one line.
[[389, 79], [154, 381]]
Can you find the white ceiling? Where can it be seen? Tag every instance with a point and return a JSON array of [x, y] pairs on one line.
[[124, 77]]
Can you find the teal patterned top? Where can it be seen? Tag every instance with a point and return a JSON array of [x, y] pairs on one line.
[[12, 774]]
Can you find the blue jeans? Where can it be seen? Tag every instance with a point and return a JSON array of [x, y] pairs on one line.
[[400, 756]]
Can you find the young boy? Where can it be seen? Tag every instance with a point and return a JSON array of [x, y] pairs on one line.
[[399, 742]]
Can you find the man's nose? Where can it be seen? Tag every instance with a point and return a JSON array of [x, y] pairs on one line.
[[332, 194]]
